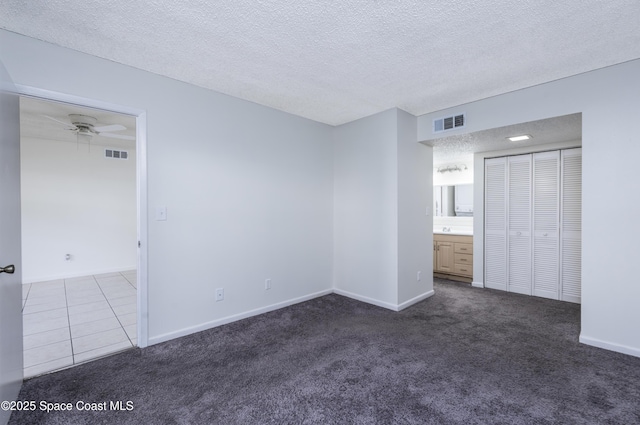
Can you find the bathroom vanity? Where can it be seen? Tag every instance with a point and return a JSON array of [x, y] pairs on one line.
[[453, 256]]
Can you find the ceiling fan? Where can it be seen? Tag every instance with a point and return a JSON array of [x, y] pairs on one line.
[[86, 127]]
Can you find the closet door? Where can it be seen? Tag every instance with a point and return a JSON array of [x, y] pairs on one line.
[[519, 224], [546, 224], [571, 225], [495, 223]]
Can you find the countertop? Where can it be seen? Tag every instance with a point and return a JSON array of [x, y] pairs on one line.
[[453, 232]]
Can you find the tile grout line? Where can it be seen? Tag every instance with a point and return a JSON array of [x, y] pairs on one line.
[[114, 313], [125, 331], [51, 343], [24, 303], [73, 356], [68, 326], [136, 288]]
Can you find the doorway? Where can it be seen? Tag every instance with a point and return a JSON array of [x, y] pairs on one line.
[[459, 151], [79, 186]]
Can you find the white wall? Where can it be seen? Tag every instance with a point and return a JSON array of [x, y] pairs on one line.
[[382, 189], [76, 201], [415, 195], [365, 237], [248, 189], [609, 100]]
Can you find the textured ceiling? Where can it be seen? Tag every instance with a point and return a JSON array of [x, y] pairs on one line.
[[34, 122], [460, 148], [335, 62]]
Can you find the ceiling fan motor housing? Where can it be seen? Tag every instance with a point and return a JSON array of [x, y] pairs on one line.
[[82, 120], [84, 124]]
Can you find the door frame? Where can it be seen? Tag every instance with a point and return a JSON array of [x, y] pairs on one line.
[[141, 189]]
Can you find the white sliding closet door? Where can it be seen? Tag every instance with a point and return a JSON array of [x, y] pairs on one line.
[[546, 224], [533, 206], [519, 224], [571, 225], [495, 223]]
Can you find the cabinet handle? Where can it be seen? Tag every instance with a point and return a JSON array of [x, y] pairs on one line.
[[463, 259], [519, 233]]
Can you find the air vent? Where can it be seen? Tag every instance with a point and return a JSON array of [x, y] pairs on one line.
[[448, 123], [114, 154]]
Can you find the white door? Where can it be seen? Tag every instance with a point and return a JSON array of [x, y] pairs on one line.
[[519, 224], [10, 251], [495, 223], [546, 223], [571, 226]]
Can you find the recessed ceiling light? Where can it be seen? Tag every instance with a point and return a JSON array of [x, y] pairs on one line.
[[520, 138]]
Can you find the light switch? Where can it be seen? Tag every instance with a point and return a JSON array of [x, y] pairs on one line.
[[161, 214]]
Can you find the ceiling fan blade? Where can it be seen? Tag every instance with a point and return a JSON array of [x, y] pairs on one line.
[[61, 122], [117, 136], [112, 127]]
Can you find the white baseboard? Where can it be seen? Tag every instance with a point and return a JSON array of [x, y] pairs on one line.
[[367, 300], [415, 300], [609, 346], [384, 304], [498, 287], [477, 284], [233, 318], [78, 274]]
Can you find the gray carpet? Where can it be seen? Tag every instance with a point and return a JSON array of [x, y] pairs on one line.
[[464, 356]]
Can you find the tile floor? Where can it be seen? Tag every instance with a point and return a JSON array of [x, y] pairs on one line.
[[70, 321]]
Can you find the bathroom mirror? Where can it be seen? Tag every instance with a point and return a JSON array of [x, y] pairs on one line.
[[453, 201]]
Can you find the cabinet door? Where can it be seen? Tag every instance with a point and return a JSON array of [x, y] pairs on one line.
[[435, 256], [445, 257], [519, 224], [571, 226], [495, 223], [546, 224]]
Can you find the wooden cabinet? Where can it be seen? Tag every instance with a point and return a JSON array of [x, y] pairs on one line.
[[444, 256], [453, 257]]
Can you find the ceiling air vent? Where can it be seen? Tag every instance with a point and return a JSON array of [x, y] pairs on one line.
[[114, 154], [448, 123]]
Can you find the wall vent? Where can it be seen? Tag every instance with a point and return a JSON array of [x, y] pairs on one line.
[[449, 123], [114, 154]]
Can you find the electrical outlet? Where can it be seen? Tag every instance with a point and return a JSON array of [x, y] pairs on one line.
[[419, 273], [267, 284], [219, 294]]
